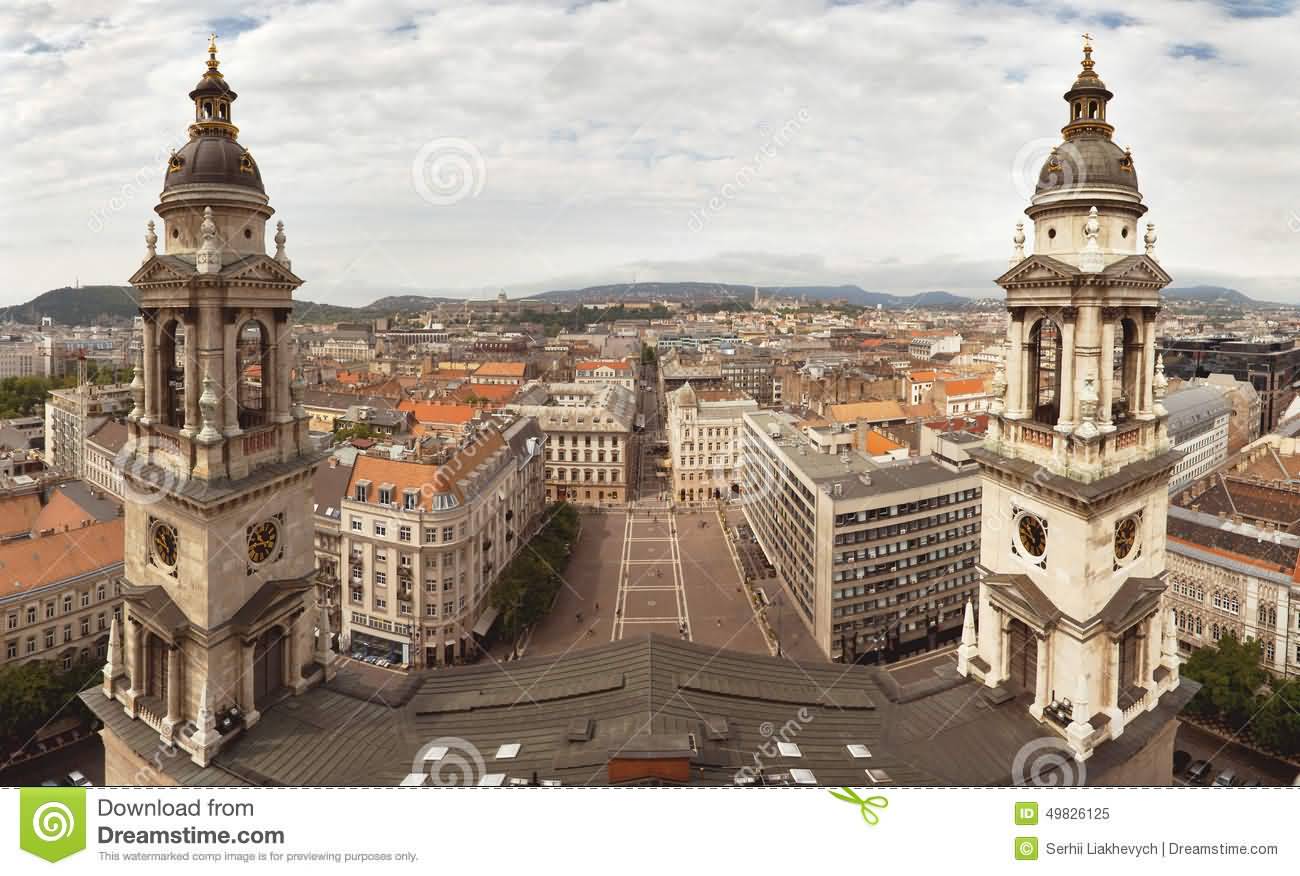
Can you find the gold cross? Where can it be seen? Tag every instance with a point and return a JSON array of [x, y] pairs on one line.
[[1087, 41]]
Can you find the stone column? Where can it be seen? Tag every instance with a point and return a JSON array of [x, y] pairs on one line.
[[192, 376], [247, 700], [1106, 370], [1113, 709], [150, 358], [229, 383], [1015, 365], [135, 667], [1041, 691], [173, 716], [1147, 371], [1065, 417]]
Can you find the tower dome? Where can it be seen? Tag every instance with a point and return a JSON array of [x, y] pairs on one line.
[[214, 172]]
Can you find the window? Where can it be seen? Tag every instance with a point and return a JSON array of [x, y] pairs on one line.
[[67, 603], [67, 632], [380, 528], [385, 495], [357, 594], [49, 610], [363, 491], [99, 593], [11, 623], [11, 649], [381, 578], [31, 645], [448, 533], [49, 638], [85, 626], [31, 614], [403, 533], [101, 623], [410, 499], [448, 608], [356, 524]]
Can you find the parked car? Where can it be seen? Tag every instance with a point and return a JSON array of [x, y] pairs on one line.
[[1226, 779], [1199, 773], [78, 779], [1181, 761], [1253, 783]]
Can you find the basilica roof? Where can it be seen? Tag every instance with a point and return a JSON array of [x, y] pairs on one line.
[[213, 159]]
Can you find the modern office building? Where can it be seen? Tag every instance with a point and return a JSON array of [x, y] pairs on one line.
[[1198, 429], [877, 559], [1270, 365]]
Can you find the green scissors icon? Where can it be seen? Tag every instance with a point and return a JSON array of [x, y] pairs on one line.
[[869, 814]]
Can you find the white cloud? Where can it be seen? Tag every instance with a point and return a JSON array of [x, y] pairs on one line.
[[605, 128]]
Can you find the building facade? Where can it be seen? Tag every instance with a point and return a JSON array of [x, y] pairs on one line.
[[67, 595], [878, 560], [588, 433], [615, 372], [704, 442], [422, 543], [73, 414], [1271, 365], [1198, 428]]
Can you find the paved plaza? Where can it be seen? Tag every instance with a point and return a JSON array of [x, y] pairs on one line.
[[646, 571]]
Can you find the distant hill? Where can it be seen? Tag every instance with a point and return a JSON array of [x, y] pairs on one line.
[[1209, 294], [696, 291], [84, 305]]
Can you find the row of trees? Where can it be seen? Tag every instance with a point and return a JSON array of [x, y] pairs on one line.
[[527, 587], [1237, 691], [33, 693]]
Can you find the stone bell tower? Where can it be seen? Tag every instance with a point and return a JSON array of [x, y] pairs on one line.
[[221, 619], [1076, 464]]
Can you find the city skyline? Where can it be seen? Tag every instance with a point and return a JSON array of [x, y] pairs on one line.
[[591, 159]]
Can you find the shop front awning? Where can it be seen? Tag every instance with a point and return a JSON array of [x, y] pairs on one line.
[[485, 621]]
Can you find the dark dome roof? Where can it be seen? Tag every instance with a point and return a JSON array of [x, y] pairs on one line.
[[1086, 161], [212, 86], [213, 159]]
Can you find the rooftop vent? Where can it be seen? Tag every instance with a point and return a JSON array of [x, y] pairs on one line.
[[580, 730]]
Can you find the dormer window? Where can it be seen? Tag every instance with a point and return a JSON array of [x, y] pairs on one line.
[[410, 499], [363, 491], [385, 494]]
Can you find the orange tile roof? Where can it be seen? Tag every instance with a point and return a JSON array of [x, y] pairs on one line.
[[964, 386], [614, 364], [32, 563], [429, 479], [61, 513], [18, 513], [489, 392], [878, 444], [867, 410], [438, 412], [500, 369]]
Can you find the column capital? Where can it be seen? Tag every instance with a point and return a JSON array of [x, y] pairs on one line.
[[1112, 314]]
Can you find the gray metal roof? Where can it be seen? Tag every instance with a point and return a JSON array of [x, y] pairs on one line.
[[1194, 406]]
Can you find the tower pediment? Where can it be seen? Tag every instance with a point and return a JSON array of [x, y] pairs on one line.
[[253, 270], [163, 270], [260, 270], [1038, 269], [1137, 270]]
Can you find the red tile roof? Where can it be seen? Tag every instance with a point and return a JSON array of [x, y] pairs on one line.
[[32, 563]]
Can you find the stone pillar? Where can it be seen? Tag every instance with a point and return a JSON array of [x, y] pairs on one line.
[[1065, 418], [173, 716], [247, 700], [1041, 690], [1113, 709], [229, 383], [115, 665], [206, 741], [1015, 365], [150, 357], [968, 648], [135, 667], [1080, 728], [1147, 371], [281, 366], [1106, 370], [192, 377]]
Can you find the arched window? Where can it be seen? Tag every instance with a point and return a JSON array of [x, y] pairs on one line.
[[1214, 632], [170, 378], [1044, 377], [1092, 109], [207, 109], [1078, 109], [253, 366], [1127, 353]]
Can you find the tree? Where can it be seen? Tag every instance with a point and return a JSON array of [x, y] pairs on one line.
[[33, 693], [647, 354], [1230, 675], [526, 588], [1277, 726]]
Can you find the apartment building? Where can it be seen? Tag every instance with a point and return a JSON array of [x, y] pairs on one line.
[[749, 372], [422, 543], [1198, 427], [1271, 365], [962, 395], [103, 448], [72, 414], [588, 432], [878, 559], [61, 594], [927, 346], [1234, 555], [19, 357], [600, 372], [704, 433], [500, 374]]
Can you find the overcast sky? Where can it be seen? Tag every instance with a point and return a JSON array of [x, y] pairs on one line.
[[529, 146]]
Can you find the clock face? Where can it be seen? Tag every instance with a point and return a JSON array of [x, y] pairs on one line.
[[1126, 536], [162, 542], [1032, 535], [262, 539]]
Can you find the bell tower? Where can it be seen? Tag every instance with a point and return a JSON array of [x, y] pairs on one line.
[[221, 618], [1076, 463]]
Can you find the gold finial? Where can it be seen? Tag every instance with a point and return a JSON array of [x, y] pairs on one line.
[[1087, 51], [212, 52]]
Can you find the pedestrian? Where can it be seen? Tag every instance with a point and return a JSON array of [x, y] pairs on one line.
[[597, 608]]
